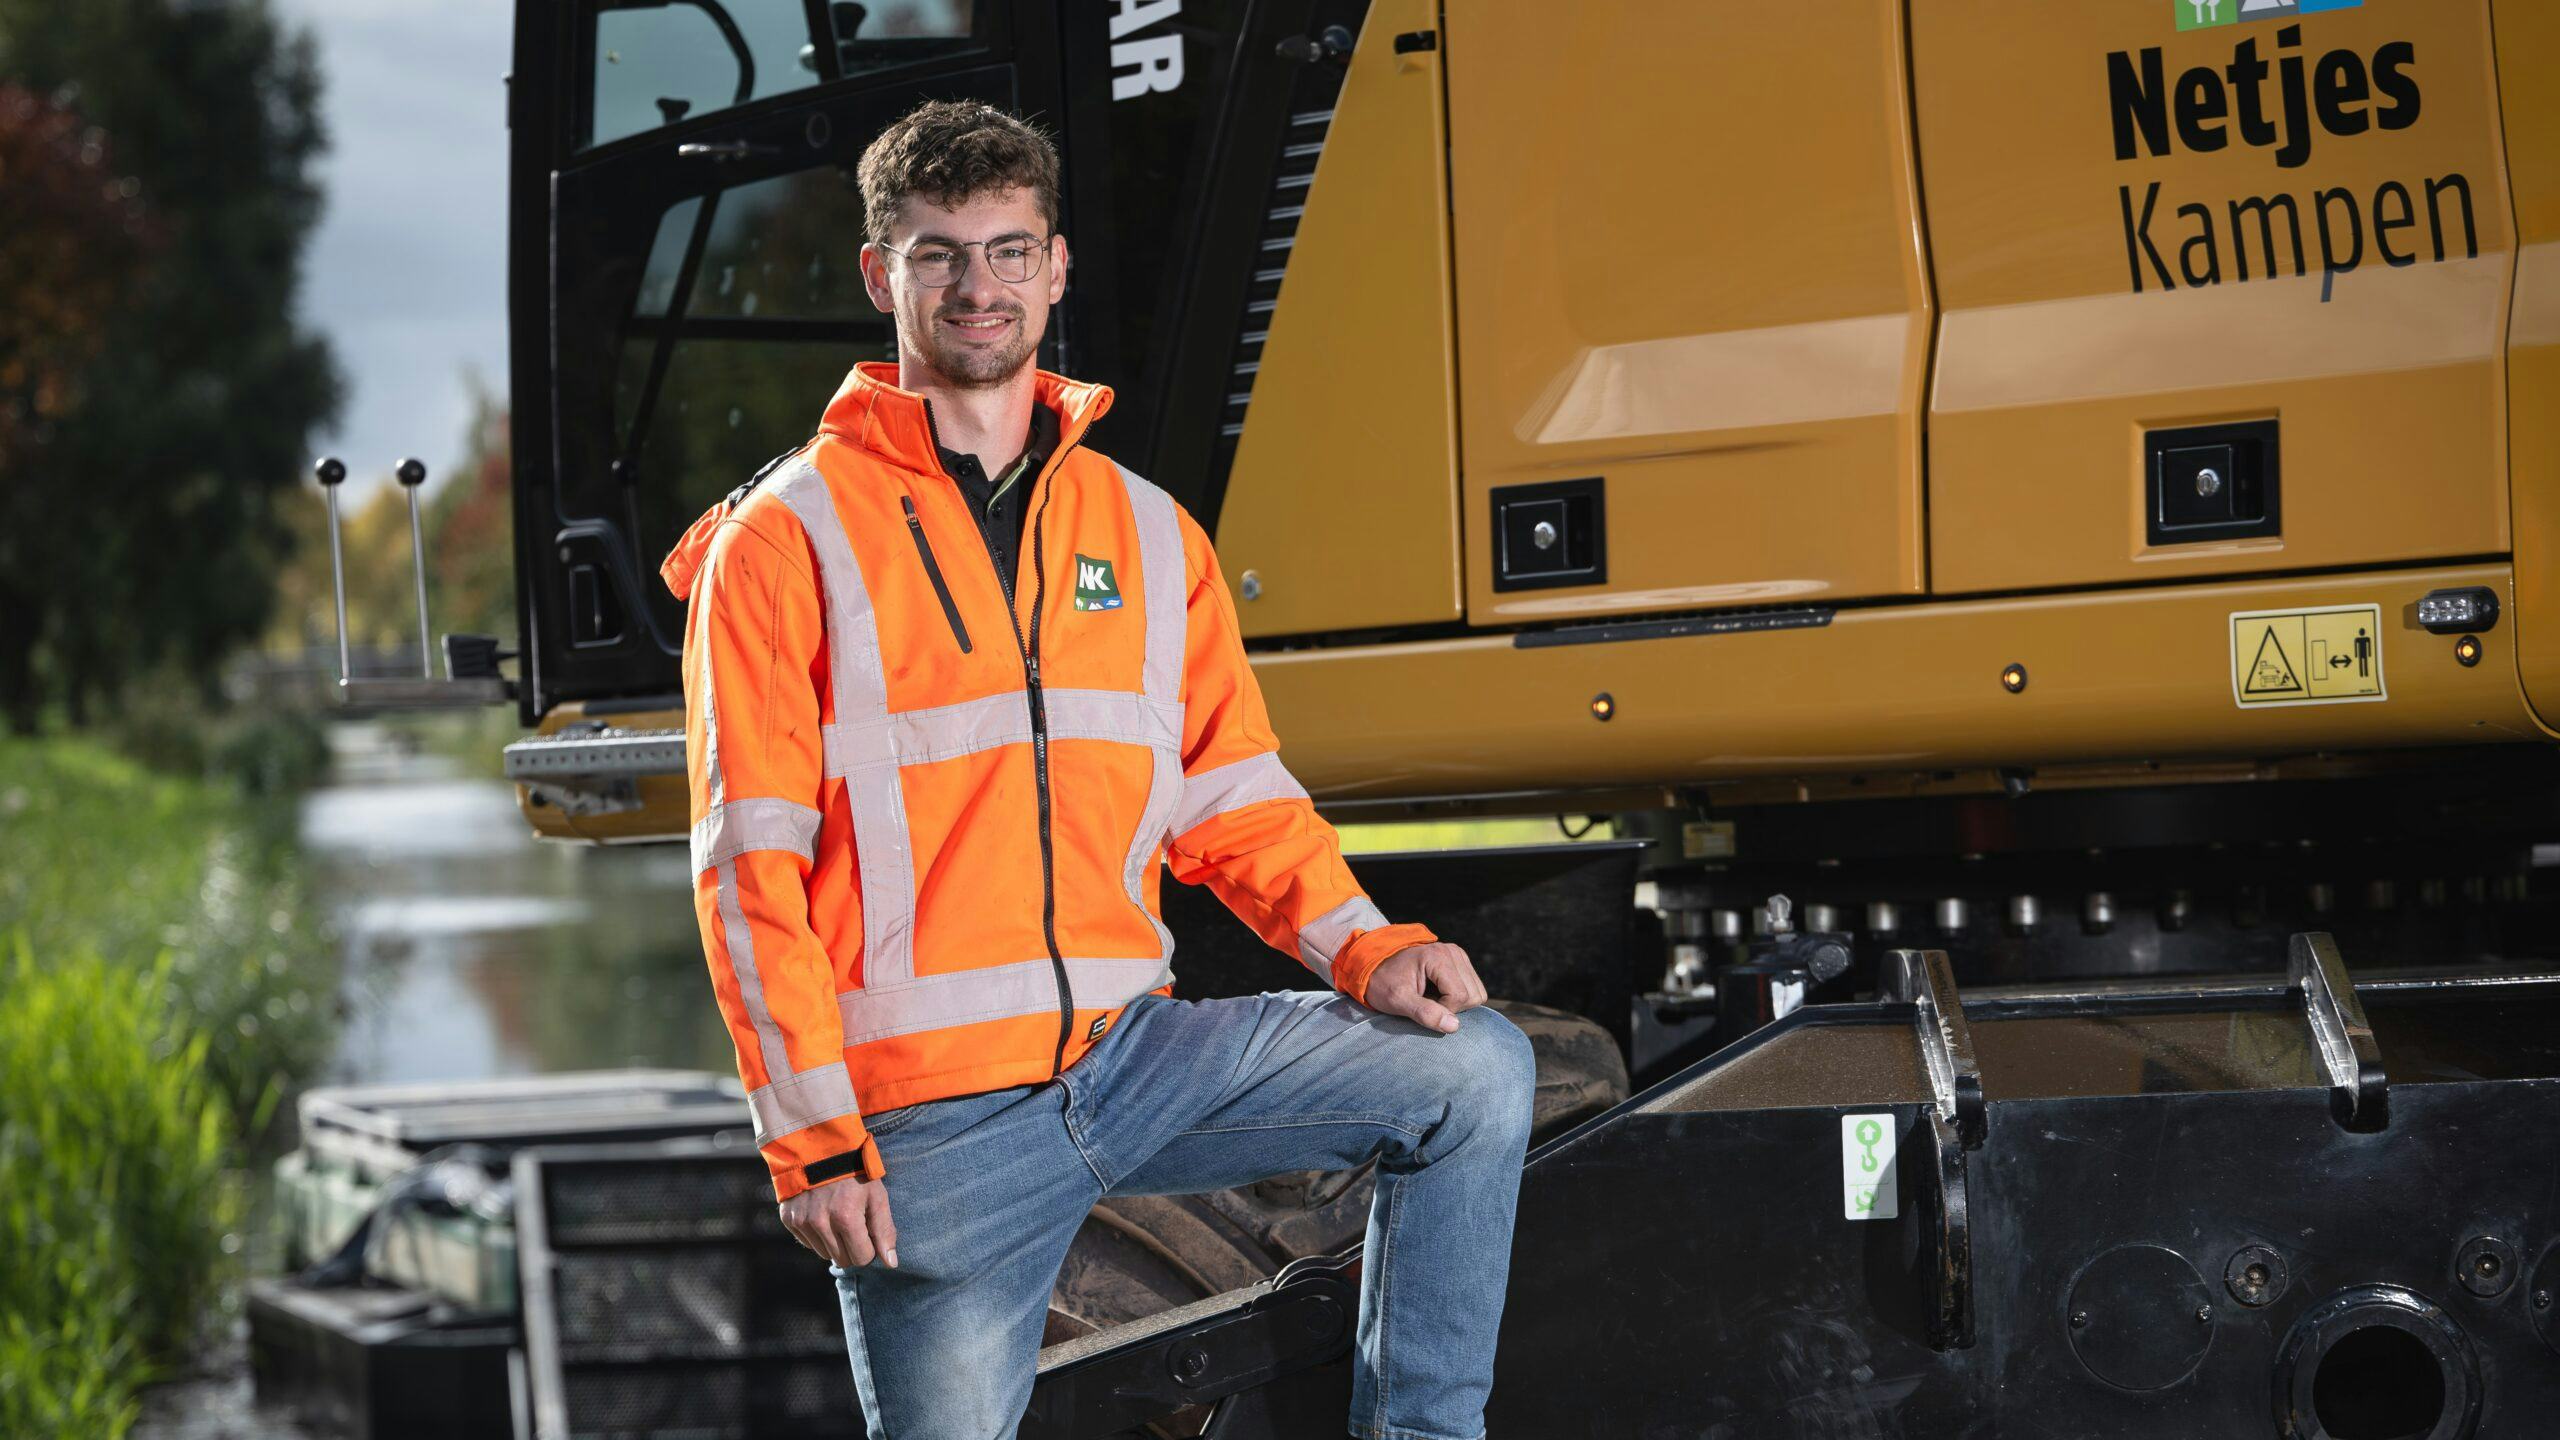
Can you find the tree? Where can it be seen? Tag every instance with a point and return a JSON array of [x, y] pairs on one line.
[[146, 531]]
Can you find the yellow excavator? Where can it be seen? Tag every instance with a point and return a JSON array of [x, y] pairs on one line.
[[2062, 494]]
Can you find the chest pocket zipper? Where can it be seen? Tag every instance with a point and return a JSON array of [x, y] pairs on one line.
[[933, 572]]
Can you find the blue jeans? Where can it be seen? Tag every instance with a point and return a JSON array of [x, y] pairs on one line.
[[1181, 1097]]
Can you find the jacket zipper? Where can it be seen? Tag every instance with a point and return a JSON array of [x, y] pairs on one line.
[[1030, 650], [933, 572]]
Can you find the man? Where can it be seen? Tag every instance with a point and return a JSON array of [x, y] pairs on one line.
[[957, 687]]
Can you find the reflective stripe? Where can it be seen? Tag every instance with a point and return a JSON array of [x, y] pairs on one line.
[[945, 732], [1233, 786], [801, 1101], [997, 992], [882, 849], [1320, 940], [732, 830], [742, 963], [1165, 581]]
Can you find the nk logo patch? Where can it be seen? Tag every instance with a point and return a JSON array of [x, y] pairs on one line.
[[2202, 14], [1096, 587]]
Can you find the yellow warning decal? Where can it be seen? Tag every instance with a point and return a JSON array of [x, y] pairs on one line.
[[2331, 655]]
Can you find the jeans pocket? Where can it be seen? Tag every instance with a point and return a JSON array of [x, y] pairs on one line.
[[888, 1122]]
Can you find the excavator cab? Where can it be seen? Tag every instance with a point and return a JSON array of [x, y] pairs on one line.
[[684, 290]]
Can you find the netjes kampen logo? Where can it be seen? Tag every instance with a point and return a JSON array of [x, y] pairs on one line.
[[1096, 587], [2201, 14]]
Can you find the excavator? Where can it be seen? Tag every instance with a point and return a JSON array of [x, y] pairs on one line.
[[2025, 524]]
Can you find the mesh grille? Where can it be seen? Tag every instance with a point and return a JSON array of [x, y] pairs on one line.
[[674, 1305]]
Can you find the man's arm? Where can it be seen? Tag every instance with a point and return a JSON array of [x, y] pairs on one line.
[[1247, 830], [753, 637]]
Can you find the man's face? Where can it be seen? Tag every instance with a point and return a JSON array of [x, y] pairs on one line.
[[979, 330]]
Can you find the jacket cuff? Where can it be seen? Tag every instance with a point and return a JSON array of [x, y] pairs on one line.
[[837, 1149], [1367, 950]]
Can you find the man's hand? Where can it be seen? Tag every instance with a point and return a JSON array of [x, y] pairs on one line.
[[1426, 984], [846, 1221]]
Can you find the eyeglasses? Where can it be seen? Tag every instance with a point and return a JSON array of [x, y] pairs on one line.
[[1011, 258]]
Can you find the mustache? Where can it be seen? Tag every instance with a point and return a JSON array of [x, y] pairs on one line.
[[956, 312]]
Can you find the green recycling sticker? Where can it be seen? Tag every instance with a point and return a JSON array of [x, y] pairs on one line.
[[1867, 1189]]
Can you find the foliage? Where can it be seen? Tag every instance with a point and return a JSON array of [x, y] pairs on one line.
[[119, 1188], [99, 853], [177, 443]]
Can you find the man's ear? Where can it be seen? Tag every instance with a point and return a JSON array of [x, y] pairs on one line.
[[1057, 268], [875, 278]]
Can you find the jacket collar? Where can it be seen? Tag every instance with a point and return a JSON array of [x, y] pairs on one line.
[[871, 413]]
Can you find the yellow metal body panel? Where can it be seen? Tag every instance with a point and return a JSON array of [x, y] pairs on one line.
[[2070, 323], [1689, 261], [2138, 674], [2529, 97], [665, 808], [1343, 498]]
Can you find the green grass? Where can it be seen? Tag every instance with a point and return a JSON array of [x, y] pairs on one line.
[[162, 979], [100, 854], [119, 1189]]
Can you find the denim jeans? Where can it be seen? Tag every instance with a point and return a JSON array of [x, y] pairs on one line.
[[1180, 1096]]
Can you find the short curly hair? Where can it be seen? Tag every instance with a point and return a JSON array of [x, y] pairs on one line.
[[950, 152]]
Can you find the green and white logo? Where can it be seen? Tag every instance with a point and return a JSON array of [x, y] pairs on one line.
[[2197, 14], [1096, 587]]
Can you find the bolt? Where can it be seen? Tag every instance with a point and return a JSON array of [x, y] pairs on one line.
[[2255, 1276], [1190, 1364], [2208, 482], [1543, 535], [2204, 1314], [2079, 1319], [2541, 1299], [1251, 585], [2486, 1265]]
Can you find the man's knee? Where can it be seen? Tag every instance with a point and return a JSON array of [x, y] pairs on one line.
[[1492, 1070]]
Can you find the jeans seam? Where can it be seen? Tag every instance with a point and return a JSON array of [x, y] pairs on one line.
[[1386, 1295], [1302, 1122], [869, 1377], [1075, 1132]]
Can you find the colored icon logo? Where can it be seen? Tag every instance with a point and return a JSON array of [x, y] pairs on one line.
[[2205, 14]]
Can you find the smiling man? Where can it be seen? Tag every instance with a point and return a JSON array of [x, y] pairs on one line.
[[959, 689]]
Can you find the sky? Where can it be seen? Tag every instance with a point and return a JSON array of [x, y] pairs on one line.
[[407, 274]]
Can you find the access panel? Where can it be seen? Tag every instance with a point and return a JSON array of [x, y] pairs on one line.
[[1688, 271], [2163, 215]]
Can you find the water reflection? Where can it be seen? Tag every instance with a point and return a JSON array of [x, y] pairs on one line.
[[474, 951]]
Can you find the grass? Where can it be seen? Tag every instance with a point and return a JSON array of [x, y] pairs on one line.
[[162, 980], [119, 1189]]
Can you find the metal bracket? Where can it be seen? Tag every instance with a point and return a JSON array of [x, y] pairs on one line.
[[1957, 1122], [2358, 1089], [1111, 1381], [1923, 979]]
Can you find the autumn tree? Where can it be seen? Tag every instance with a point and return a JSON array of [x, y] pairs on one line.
[[143, 517]]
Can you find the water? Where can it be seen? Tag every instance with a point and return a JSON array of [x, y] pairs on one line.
[[474, 951]]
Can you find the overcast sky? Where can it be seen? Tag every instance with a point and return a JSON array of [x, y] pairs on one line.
[[407, 275]]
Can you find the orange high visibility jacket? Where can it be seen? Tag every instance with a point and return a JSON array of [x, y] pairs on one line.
[[929, 801]]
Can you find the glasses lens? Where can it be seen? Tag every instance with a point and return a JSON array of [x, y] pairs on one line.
[[1014, 263], [937, 266]]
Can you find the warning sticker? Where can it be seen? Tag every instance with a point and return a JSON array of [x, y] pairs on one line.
[[2326, 656]]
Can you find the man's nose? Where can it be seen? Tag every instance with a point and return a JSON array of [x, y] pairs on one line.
[[978, 288]]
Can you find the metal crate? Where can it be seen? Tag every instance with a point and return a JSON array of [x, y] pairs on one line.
[[663, 1300]]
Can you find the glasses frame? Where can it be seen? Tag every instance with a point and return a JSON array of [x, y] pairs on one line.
[[1043, 246]]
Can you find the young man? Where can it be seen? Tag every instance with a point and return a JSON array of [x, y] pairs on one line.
[[957, 688]]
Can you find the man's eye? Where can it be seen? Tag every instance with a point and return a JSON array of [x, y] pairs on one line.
[[936, 257], [1014, 253]]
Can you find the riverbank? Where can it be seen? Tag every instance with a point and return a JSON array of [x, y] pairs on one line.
[[164, 978]]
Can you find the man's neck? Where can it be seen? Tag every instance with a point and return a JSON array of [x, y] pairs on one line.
[[992, 422]]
